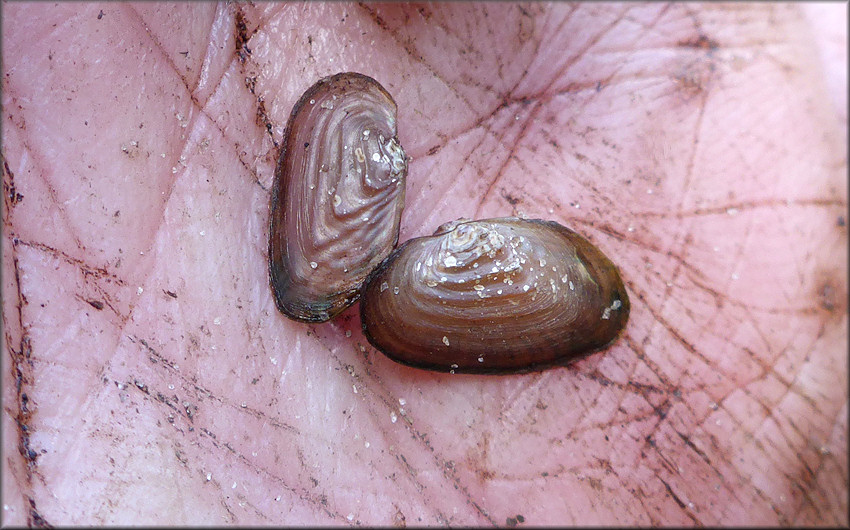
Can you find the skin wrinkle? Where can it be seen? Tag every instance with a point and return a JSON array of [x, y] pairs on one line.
[[131, 11], [23, 367], [412, 53], [10, 90], [78, 243], [702, 283], [440, 462], [208, 57], [485, 116], [562, 74], [487, 132], [523, 131], [510, 100], [199, 106], [565, 68], [275, 422], [221, 446]]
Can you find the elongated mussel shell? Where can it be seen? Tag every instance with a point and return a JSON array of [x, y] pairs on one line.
[[337, 198], [494, 296]]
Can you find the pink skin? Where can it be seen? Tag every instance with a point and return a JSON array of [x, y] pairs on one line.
[[701, 147]]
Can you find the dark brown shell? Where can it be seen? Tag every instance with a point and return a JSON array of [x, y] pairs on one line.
[[494, 296], [337, 198]]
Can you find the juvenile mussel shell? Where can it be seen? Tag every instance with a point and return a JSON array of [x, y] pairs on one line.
[[337, 198], [494, 296]]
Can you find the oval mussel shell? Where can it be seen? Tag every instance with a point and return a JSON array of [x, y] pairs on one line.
[[501, 295], [337, 198]]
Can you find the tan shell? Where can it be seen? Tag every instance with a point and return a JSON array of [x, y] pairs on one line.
[[337, 198], [494, 296]]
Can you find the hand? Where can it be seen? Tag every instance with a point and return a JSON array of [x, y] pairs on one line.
[[149, 379]]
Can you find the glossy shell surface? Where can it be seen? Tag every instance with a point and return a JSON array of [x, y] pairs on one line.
[[337, 197], [494, 296]]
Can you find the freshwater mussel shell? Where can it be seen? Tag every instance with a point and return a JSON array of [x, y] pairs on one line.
[[337, 198], [494, 296]]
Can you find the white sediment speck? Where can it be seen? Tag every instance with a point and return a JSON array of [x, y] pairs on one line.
[[572, 287], [525, 288], [140, 290], [354, 388], [313, 265], [395, 290], [402, 401], [337, 200], [393, 417], [384, 286], [446, 340], [481, 359]]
